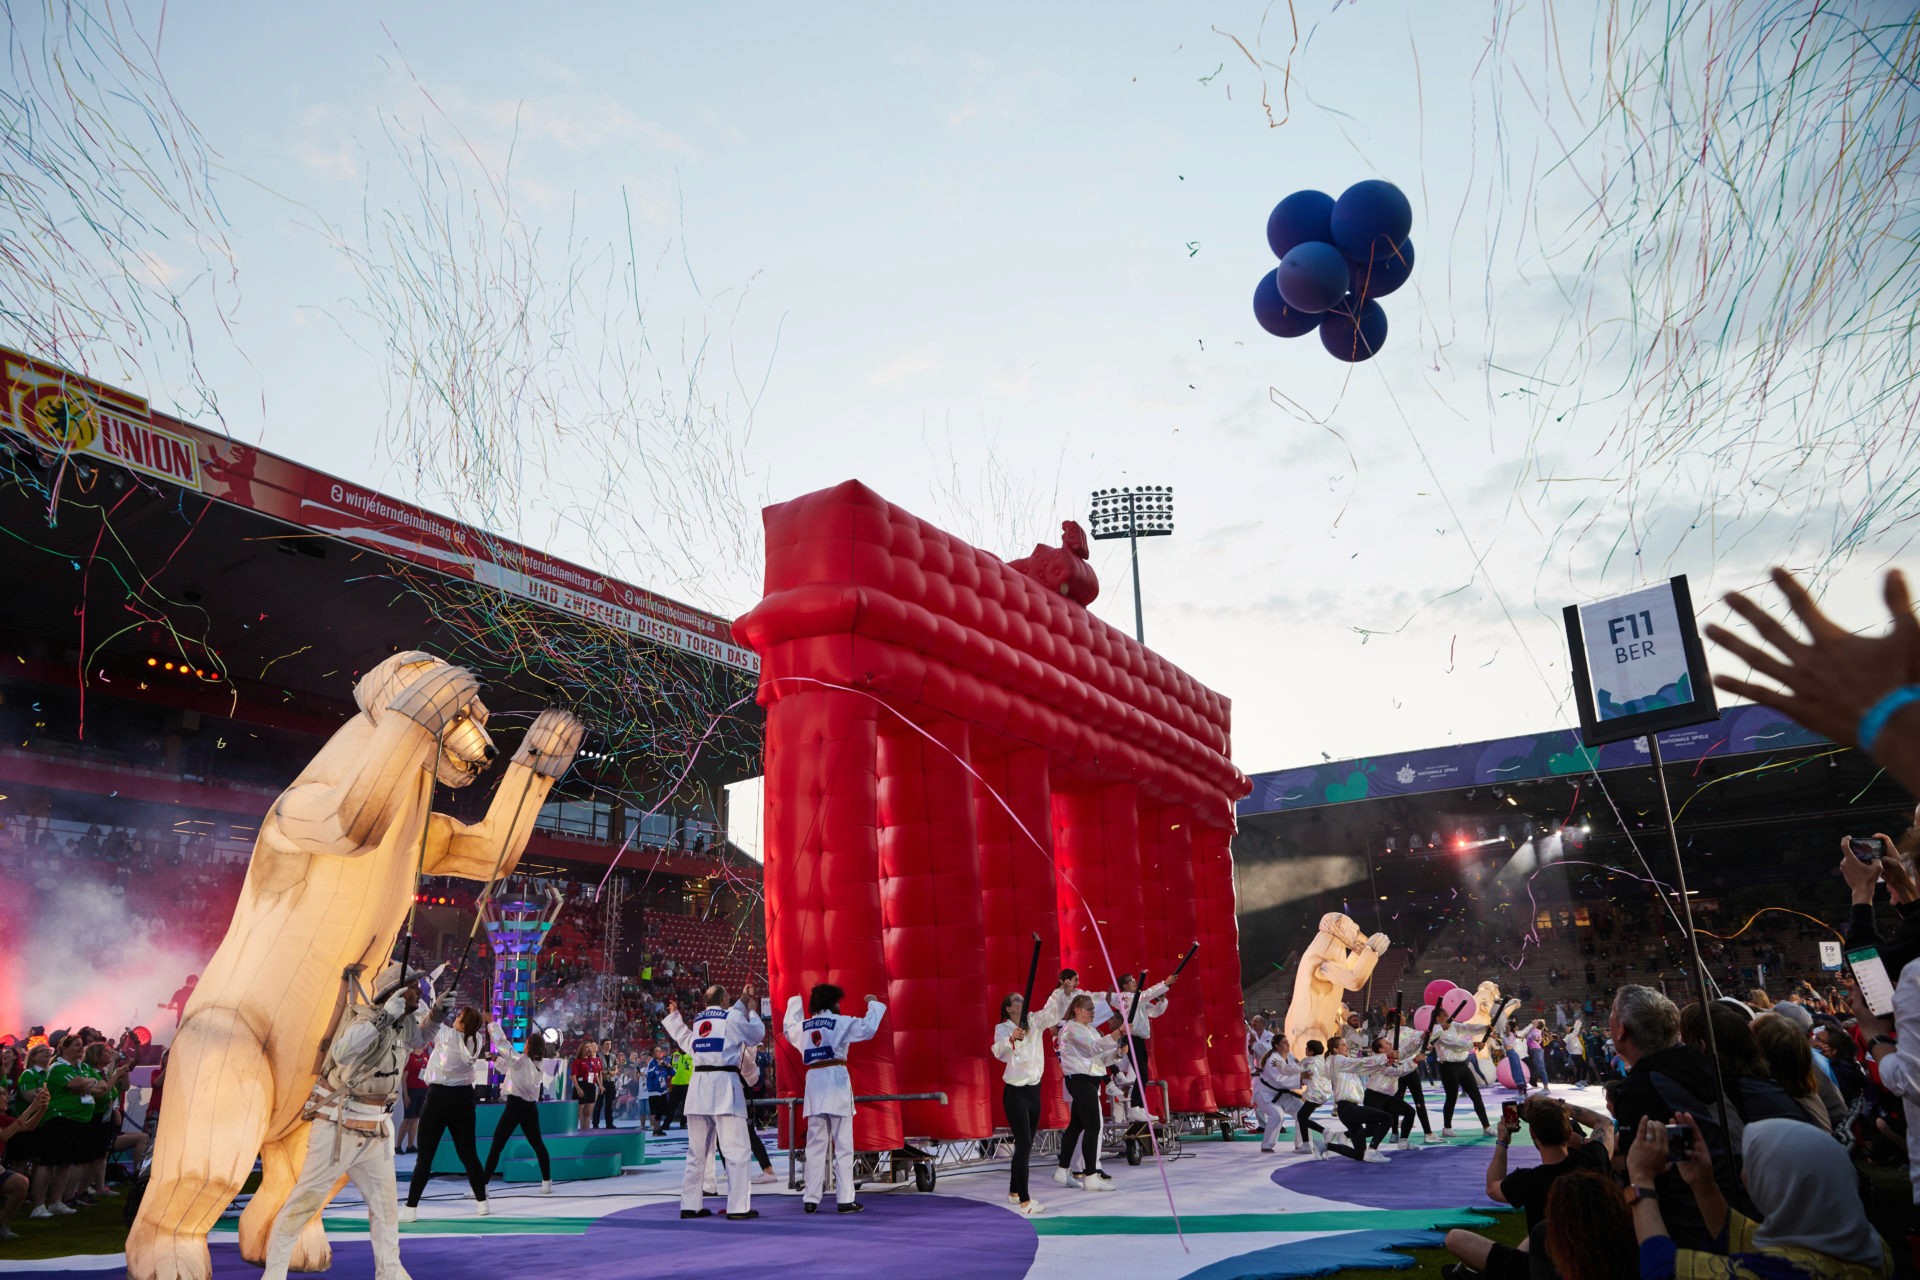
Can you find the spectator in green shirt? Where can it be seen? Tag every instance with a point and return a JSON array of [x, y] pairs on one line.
[[102, 1063], [682, 1076], [68, 1145]]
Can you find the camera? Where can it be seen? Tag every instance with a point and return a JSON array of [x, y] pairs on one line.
[[1679, 1142]]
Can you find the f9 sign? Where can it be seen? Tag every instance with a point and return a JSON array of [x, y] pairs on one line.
[[1637, 664]]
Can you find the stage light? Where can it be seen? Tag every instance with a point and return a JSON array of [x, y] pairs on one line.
[[169, 666], [1586, 829], [153, 662], [1511, 800]]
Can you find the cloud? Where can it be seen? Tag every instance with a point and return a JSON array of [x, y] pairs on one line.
[[584, 124], [900, 369]]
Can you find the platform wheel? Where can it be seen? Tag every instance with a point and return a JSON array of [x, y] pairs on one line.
[[1134, 1152], [924, 1175]]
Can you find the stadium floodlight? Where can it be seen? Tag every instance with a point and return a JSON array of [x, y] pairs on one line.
[[1133, 513]]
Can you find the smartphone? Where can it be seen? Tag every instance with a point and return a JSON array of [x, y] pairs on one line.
[[1510, 1114], [1866, 850], [1679, 1142], [1871, 973]]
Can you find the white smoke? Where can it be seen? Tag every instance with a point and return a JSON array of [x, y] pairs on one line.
[[87, 961]]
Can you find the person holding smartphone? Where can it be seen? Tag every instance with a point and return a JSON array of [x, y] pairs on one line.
[[1562, 1151]]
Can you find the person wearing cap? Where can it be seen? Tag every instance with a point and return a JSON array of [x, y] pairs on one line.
[[822, 1037], [350, 1113], [716, 1102]]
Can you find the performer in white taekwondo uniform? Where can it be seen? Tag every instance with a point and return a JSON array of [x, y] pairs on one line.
[[716, 1104], [1023, 1049], [1153, 1003], [822, 1038], [1276, 1094], [1259, 1040], [351, 1110]]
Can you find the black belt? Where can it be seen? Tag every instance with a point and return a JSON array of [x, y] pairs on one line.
[[732, 1071]]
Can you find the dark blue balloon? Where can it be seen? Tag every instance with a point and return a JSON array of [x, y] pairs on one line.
[[1370, 218], [1275, 316], [1350, 341], [1387, 272], [1302, 216], [1313, 276]]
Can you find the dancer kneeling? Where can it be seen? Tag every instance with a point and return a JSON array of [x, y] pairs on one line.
[[1383, 1090], [822, 1038], [1365, 1125], [351, 1133], [716, 1104], [1276, 1094], [1084, 1055]]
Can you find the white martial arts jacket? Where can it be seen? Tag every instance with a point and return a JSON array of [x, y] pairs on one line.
[[1349, 1075], [455, 1057], [1385, 1078], [519, 1075], [1257, 1047], [822, 1039], [1025, 1059], [1455, 1043], [714, 1040], [1280, 1076], [1316, 1082], [1084, 1051], [1153, 1003]]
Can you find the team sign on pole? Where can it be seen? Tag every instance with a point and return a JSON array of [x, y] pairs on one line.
[[1637, 664]]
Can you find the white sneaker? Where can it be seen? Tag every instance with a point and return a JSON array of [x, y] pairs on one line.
[[1033, 1208], [1446, 1135], [41, 1212], [60, 1210], [408, 1213], [763, 1177], [1432, 1139], [481, 1209], [1376, 1156], [1487, 1129], [1139, 1114], [1064, 1178], [1013, 1197], [1319, 1146], [709, 1189], [1405, 1144], [546, 1187], [1099, 1182], [1299, 1145]]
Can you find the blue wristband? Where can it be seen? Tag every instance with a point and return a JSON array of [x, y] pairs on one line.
[[1875, 721]]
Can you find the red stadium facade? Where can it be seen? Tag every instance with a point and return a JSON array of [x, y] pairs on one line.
[[959, 760]]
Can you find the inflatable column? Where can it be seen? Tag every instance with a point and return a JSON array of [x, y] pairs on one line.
[[935, 941], [1219, 965], [1096, 849], [1017, 892], [1172, 924], [823, 878]]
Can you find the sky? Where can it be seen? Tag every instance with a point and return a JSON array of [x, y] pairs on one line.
[[988, 258]]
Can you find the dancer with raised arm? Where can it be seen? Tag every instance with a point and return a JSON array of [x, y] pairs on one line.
[[822, 1037]]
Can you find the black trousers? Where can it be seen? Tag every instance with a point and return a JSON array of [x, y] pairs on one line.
[[524, 1116], [1365, 1127], [603, 1106], [1083, 1123], [678, 1109], [1410, 1088], [1022, 1102], [1456, 1078], [1140, 1069], [1394, 1109], [448, 1110]]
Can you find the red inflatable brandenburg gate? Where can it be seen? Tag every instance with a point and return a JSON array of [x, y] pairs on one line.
[[959, 758]]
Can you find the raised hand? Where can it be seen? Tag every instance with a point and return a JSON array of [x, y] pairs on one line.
[[1830, 679], [551, 742]]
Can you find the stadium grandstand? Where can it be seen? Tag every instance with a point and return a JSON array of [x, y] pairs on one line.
[[184, 622]]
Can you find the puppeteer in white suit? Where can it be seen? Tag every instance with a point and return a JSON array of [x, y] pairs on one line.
[[351, 1111]]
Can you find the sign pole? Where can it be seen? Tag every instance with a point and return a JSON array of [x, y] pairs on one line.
[[1702, 982]]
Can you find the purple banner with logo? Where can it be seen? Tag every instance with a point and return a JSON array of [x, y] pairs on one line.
[[1739, 731]]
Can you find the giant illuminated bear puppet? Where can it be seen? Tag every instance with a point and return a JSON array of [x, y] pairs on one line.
[[329, 885], [1340, 959]]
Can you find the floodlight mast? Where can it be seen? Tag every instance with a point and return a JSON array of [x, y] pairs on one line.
[[1133, 513]]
